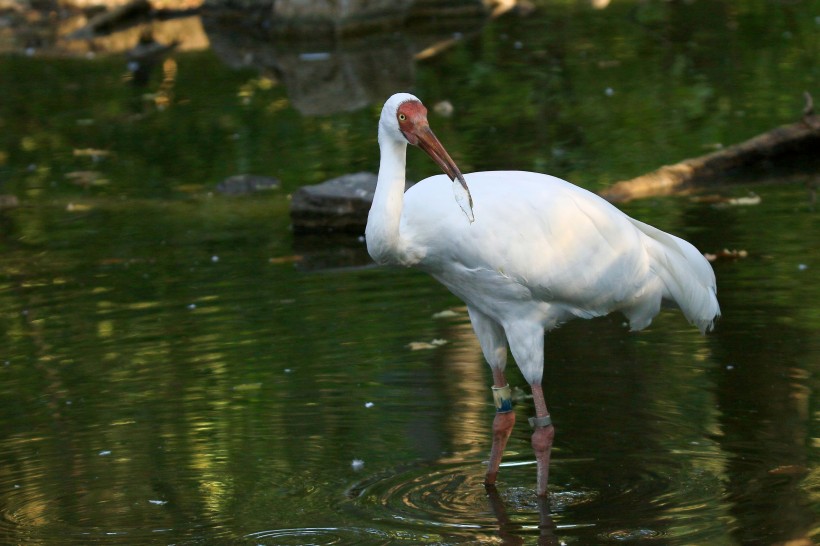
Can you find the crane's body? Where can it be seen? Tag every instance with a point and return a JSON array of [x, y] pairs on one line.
[[530, 252]]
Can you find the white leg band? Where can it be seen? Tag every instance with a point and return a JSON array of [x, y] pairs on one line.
[[540, 422]]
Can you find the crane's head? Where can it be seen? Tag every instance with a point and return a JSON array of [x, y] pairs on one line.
[[404, 118]]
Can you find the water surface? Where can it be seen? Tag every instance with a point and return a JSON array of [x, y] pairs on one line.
[[177, 367]]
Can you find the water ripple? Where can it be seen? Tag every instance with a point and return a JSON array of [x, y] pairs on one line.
[[450, 501], [321, 536]]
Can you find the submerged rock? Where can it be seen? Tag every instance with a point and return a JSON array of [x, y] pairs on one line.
[[339, 204], [241, 184], [8, 201]]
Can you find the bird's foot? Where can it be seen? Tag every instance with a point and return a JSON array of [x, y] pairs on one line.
[[542, 445]]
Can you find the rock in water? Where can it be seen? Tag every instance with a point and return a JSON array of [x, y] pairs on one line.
[[339, 204]]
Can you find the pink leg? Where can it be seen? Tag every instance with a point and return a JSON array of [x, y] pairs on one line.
[[502, 427], [541, 438]]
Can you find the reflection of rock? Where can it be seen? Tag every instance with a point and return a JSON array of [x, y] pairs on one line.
[[242, 184], [349, 79], [322, 252], [334, 69], [309, 19], [297, 17], [339, 204], [321, 77]]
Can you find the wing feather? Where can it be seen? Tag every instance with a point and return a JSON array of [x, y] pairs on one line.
[[537, 238]]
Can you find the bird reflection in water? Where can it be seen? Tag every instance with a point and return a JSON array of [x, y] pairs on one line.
[[509, 531]]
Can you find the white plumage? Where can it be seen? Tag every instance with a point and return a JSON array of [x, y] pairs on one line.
[[539, 252]]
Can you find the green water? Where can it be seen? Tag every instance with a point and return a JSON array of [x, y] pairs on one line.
[[176, 367]]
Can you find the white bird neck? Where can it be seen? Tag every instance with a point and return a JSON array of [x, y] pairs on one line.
[[384, 241]]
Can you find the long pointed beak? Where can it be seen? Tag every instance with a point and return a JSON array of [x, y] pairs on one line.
[[428, 142]]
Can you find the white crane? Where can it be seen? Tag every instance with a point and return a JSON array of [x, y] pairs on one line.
[[526, 252]]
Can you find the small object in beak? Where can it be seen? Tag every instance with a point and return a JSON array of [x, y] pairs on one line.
[[463, 197], [425, 139]]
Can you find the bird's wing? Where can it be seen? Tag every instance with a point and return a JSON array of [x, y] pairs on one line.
[[560, 242], [687, 276]]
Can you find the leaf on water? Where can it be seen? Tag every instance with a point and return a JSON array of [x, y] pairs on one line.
[[752, 199], [286, 259], [189, 188], [726, 254], [86, 178], [248, 387], [77, 207], [91, 152], [789, 470], [424, 345], [463, 197], [447, 313]]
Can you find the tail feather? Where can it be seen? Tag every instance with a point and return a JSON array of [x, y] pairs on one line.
[[687, 275]]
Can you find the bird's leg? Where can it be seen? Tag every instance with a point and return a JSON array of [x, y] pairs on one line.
[[541, 438], [494, 346], [502, 424]]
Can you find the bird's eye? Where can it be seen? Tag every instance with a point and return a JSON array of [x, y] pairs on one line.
[[402, 117]]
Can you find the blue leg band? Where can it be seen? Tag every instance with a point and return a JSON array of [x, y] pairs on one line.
[[502, 396]]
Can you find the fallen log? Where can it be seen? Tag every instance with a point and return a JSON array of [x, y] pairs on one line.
[[802, 137]]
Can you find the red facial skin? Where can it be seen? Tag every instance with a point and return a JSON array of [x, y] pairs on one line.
[[412, 118]]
